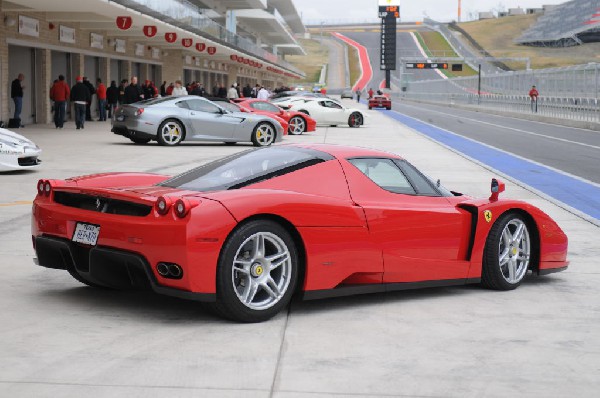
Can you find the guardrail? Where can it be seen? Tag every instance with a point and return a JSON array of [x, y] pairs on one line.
[[570, 108]]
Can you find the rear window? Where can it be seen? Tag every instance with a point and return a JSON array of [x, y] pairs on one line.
[[246, 168]]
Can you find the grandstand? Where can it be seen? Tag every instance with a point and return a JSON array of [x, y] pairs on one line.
[[572, 23]]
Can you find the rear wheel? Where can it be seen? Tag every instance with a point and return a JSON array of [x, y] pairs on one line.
[[507, 253], [389, 108], [170, 132], [257, 272], [297, 125], [139, 140], [263, 134], [355, 120]]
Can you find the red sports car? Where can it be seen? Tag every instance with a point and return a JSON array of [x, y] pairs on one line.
[[298, 122], [380, 101], [245, 232]]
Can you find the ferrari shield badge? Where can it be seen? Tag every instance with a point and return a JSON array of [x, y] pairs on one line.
[[488, 215]]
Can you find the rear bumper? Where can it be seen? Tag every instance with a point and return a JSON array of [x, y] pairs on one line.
[[125, 131], [104, 266]]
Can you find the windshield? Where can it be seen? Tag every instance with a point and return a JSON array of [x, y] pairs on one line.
[[245, 168]]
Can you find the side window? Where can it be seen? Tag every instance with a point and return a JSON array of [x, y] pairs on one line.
[[420, 182], [182, 104], [202, 106], [385, 173], [323, 104], [334, 105]]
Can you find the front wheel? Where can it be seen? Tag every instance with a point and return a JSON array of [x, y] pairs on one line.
[[263, 134], [257, 272], [507, 253], [355, 120], [297, 125], [170, 132]]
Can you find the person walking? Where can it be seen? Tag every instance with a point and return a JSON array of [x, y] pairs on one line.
[[90, 86], [199, 90], [163, 89], [179, 90], [370, 92], [80, 96], [122, 88], [133, 92], [533, 94], [255, 91], [232, 93], [101, 93], [222, 91], [358, 92], [60, 93], [112, 98], [16, 93]]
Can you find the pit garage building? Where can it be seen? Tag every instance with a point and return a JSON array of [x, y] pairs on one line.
[[210, 41]]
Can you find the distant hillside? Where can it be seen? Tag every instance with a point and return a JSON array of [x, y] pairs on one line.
[[497, 37]]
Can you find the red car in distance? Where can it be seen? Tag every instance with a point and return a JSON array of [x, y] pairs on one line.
[[380, 101], [299, 122], [234, 107]]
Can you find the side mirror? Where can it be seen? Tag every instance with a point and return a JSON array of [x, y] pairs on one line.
[[497, 187]]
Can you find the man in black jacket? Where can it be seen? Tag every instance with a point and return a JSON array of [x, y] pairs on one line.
[[112, 97], [16, 93], [133, 92], [80, 96], [92, 89], [199, 90], [247, 91]]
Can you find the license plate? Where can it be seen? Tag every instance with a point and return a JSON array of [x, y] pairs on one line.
[[86, 233], [120, 118]]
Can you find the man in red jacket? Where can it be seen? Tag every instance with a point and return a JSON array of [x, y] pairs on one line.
[[59, 93], [533, 94], [101, 93]]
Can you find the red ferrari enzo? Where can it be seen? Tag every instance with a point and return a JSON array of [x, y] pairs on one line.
[[298, 122], [245, 232]]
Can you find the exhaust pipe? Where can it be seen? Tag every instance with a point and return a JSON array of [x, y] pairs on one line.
[[169, 270]]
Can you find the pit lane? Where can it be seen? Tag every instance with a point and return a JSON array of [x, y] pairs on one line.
[[60, 338]]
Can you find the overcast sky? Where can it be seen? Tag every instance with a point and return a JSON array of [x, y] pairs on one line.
[[411, 10]]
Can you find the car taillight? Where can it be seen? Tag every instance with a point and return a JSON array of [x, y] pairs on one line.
[[181, 208], [163, 205], [47, 188], [40, 187], [139, 111]]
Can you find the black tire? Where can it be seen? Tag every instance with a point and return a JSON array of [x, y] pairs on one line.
[[140, 141], [493, 274], [389, 108], [355, 120], [177, 125], [370, 108], [264, 134], [228, 303]]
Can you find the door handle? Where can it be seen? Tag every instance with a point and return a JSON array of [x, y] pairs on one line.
[[192, 113]]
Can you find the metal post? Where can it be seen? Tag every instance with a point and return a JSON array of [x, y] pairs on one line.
[[388, 78], [479, 84]]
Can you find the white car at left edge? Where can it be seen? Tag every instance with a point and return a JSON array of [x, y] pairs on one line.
[[17, 152]]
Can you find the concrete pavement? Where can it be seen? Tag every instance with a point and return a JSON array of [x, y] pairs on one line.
[[60, 338]]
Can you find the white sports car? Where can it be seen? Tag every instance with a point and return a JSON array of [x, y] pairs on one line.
[[17, 152], [326, 111]]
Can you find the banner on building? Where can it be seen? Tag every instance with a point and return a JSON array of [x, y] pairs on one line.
[[120, 46], [139, 50], [96, 41], [66, 34], [29, 26]]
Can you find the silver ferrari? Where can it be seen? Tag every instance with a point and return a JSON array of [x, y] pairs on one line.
[[171, 120]]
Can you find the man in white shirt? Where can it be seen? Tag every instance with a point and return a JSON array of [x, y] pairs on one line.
[[179, 90], [232, 93], [263, 94]]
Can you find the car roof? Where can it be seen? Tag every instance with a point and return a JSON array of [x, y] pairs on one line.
[[346, 151]]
